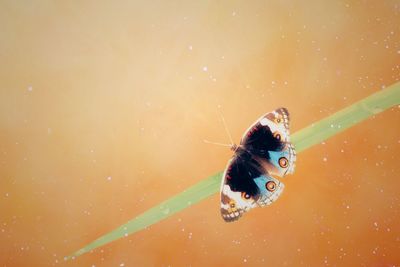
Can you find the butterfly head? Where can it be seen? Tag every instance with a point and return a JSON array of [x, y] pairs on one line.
[[234, 147]]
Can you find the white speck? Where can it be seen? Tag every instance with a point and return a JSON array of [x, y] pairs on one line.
[[398, 52], [166, 211], [244, 260], [347, 207], [122, 264], [205, 68], [233, 13], [109, 178], [7, 194], [30, 88], [325, 159], [190, 47]]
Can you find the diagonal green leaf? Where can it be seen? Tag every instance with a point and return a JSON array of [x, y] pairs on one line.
[[307, 137]]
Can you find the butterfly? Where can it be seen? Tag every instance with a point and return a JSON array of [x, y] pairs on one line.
[[264, 151]]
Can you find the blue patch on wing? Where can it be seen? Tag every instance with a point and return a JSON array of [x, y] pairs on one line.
[[276, 155], [261, 181]]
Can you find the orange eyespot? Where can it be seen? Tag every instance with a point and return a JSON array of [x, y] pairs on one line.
[[245, 195], [278, 119], [283, 162], [277, 135], [270, 186]]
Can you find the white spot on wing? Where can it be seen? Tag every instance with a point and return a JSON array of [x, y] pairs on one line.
[[264, 121], [240, 202]]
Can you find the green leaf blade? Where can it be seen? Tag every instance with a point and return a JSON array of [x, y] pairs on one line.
[[307, 137]]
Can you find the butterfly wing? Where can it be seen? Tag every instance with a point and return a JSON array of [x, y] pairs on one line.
[[268, 140], [245, 186]]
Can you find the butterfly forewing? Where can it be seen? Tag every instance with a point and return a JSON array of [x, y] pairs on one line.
[[268, 140]]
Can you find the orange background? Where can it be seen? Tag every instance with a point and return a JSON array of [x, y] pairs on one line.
[[104, 106]]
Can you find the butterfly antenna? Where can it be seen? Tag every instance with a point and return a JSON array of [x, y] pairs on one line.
[[226, 129], [232, 145], [216, 143]]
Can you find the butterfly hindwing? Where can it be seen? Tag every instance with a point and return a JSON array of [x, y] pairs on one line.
[[245, 186]]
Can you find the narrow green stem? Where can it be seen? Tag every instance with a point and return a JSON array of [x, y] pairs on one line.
[[307, 137]]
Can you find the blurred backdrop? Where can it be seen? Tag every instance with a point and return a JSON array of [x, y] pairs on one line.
[[104, 106]]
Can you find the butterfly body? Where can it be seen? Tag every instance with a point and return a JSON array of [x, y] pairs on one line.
[[264, 151]]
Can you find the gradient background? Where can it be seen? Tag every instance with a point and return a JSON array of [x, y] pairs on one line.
[[104, 106]]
